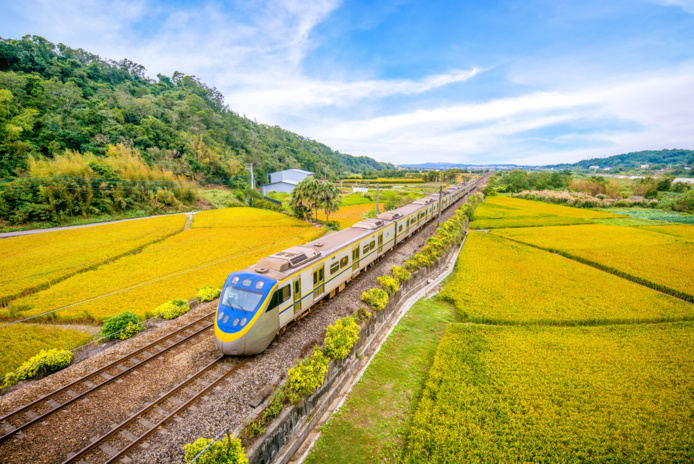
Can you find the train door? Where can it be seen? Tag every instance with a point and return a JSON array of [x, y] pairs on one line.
[[318, 282], [297, 295], [380, 243], [355, 258]]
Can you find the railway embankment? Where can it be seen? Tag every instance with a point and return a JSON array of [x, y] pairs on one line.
[[295, 427]]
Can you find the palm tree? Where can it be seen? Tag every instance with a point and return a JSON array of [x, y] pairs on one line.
[[329, 201]]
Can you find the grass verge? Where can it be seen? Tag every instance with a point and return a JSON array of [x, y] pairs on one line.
[[373, 423]]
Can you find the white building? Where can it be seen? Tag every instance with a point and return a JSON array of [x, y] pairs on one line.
[[285, 181], [645, 166], [594, 167]]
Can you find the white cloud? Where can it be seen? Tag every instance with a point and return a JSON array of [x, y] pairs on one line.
[[648, 114], [686, 5]]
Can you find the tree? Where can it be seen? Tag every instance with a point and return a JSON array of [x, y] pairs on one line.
[[329, 202]]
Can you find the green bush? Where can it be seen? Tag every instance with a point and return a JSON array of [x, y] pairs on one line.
[[115, 326], [400, 273], [307, 376], [171, 309], [389, 284], [208, 293], [340, 338], [411, 264], [362, 315], [376, 298], [225, 451], [45, 362], [422, 260]]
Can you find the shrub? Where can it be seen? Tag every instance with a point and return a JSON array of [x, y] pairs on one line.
[[400, 273], [130, 330], [307, 376], [45, 362], [115, 326], [171, 309], [362, 315], [411, 264], [225, 451], [208, 293], [340, 338], [422, 260], [389, 284], [376, 298]]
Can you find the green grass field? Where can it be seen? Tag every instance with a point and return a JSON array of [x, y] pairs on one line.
[[373, 424]]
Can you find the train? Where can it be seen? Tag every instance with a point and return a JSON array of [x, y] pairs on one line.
[[258, 302]]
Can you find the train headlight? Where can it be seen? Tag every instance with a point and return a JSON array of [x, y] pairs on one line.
[[243, 322], [220, 315], [236, 322], [226, 319]]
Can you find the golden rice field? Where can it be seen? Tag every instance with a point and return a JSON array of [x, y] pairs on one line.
[[648, 255], [33, 261], [499, 212], [499, 281], [19, 342], [174, 268], [350, 215], [239, 218], [550, 394]]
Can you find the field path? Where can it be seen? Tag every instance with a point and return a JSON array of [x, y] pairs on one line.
[[55, 229]]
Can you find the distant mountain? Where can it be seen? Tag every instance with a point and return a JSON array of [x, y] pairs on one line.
[[444, 166], [634, 160], [54, 98]]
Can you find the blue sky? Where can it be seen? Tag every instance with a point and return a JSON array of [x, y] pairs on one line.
[[531, 82]]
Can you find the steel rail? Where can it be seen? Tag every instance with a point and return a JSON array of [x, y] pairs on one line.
[[101, 370], [120, 427]]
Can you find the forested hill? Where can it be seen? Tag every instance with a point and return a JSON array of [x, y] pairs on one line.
[[675, 157], [54, 98]]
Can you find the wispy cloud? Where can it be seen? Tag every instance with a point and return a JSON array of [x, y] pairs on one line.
[[661, 110], [686, 5]]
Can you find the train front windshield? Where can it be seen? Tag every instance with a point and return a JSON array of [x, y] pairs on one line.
[[239, 298]]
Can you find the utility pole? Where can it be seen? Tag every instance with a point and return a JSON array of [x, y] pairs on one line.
[[438, 219], [250, 168], [376, 199]]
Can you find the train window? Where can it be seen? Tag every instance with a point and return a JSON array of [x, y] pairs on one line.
[[344, 261], [280, 296], [334, 268], [372, 246], [400, 229], [366, 248]]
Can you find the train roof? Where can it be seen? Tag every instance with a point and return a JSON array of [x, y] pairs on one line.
[[284, 263]]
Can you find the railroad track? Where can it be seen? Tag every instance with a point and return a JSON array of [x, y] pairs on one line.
[[149, 419], [36, 411]]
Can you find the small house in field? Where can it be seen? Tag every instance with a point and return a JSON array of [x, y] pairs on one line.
[[285, 181]]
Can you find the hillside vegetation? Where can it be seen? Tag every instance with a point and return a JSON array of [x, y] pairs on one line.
[[635, 159], [104, 117]]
